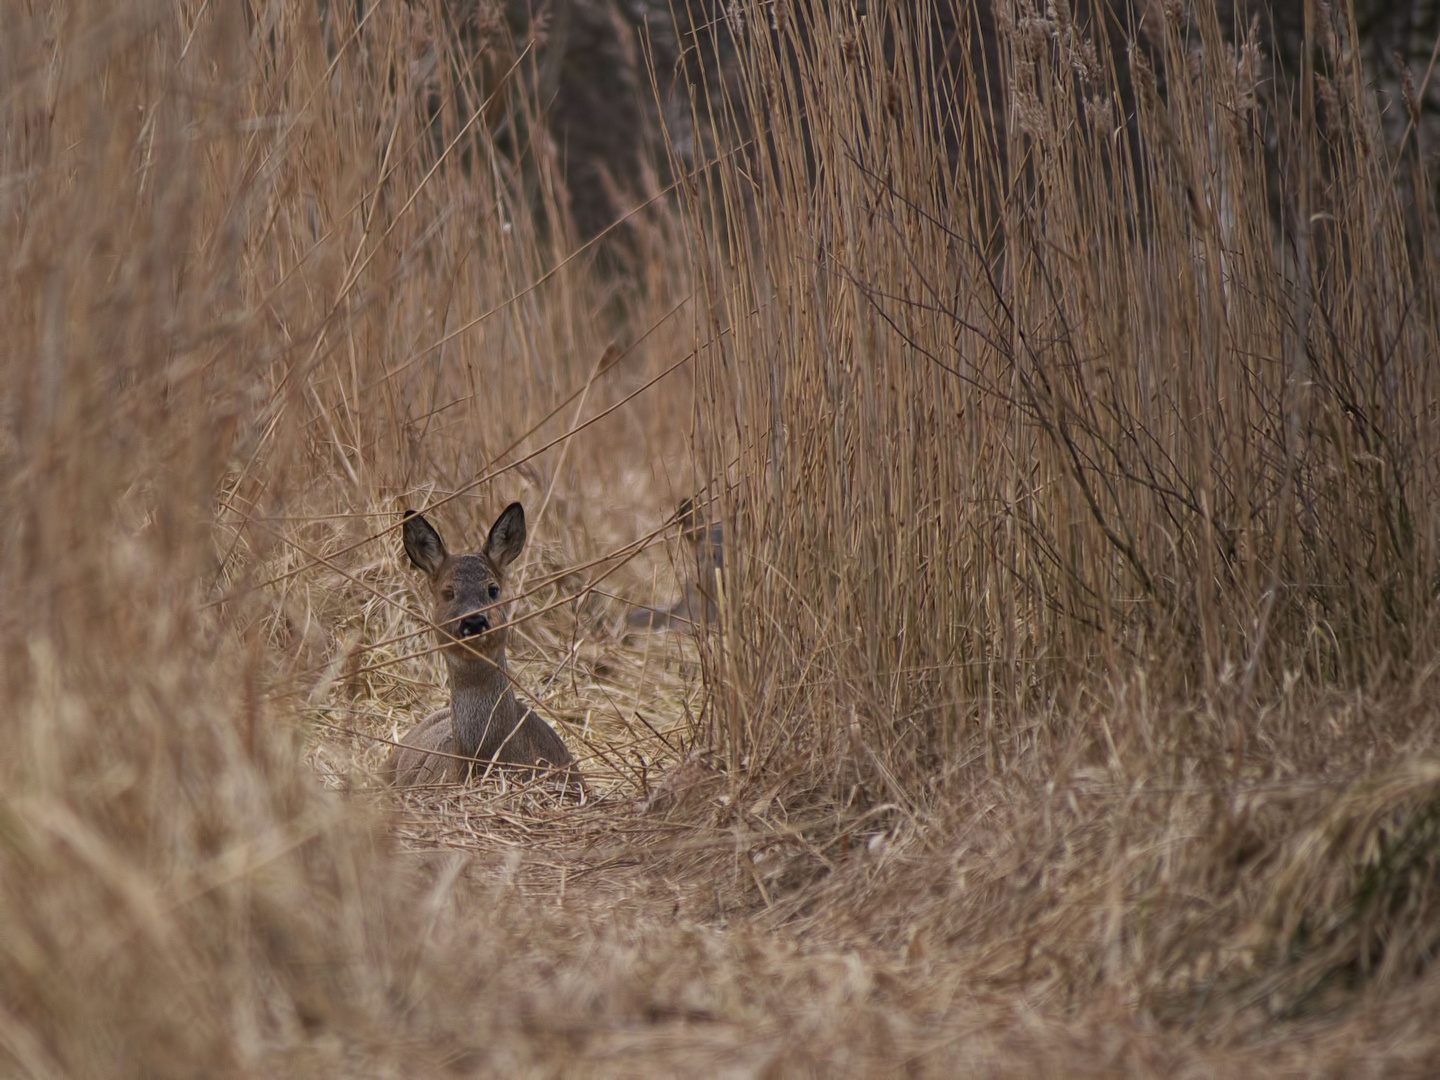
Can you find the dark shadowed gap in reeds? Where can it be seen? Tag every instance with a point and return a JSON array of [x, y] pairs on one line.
[[1128, 367]]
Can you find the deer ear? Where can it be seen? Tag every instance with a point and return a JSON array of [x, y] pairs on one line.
[[423, 543], [507, 537], [689, 521]]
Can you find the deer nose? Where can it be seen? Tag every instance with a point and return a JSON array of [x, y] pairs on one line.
[[472, 625]]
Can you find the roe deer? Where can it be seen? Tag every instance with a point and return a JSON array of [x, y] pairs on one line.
[[697, 606], [483, 721]]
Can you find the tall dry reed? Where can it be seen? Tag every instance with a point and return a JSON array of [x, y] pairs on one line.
[[1126, 366]]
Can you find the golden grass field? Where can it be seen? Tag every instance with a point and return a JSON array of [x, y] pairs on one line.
[[1072, 409]]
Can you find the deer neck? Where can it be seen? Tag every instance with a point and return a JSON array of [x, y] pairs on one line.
[[482, 706]]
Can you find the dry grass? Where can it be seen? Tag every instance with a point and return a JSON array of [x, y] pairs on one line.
[[1072, 706]]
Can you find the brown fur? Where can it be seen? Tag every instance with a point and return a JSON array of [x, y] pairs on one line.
[[697, 606], [483, 722]]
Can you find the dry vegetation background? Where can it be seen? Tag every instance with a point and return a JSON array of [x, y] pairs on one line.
[[1068, 390]]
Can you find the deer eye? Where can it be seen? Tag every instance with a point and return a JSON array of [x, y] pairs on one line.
[[494, 591], [447, 594]]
